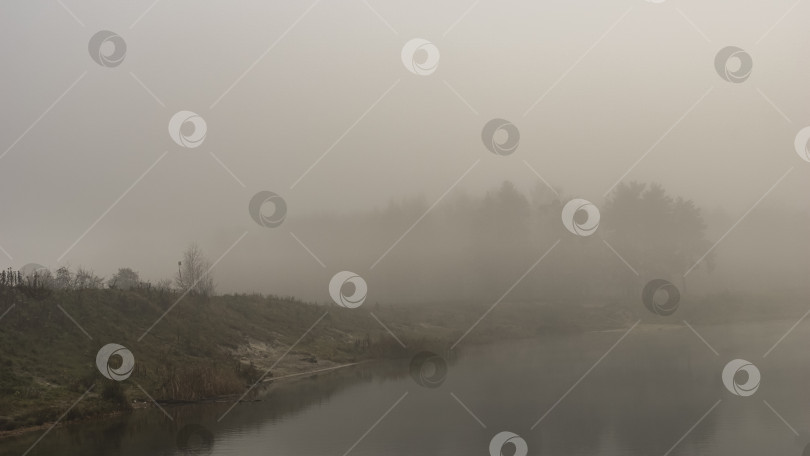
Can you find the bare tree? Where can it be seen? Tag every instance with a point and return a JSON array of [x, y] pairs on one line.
[[40, 278], [193, 272], [86, 278], [164, 285]]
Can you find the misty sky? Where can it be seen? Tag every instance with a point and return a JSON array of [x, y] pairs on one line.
[[608, 99]]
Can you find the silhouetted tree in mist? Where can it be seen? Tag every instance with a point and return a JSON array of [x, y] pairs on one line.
[[40, 278], [86, 278], [193, 273], [502, 235], [124, 279], [660, 236], [64, 278]]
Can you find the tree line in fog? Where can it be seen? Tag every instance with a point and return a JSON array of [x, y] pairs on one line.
[[193, 275]]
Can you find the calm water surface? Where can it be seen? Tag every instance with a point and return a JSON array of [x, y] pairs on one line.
[[641, 399]]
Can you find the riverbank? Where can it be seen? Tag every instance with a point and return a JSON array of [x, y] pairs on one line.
[[143, 404], [204, 348], [199, 349]]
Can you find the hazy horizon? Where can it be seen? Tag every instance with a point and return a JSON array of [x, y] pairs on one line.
[[280, 85]]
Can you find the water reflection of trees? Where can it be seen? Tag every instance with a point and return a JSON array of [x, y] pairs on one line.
[[643, 400]]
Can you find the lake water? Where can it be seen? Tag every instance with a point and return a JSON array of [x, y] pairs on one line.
[[655, 393]]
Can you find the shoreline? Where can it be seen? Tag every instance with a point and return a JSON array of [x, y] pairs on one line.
[[147, 405], [291, 377], [326, 369]]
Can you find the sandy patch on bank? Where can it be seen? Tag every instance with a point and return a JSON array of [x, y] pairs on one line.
[[266, 356]]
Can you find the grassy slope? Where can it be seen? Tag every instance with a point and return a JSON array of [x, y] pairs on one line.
[[47, 362]]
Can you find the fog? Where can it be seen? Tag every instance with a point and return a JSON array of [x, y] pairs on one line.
[[384, 172]]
